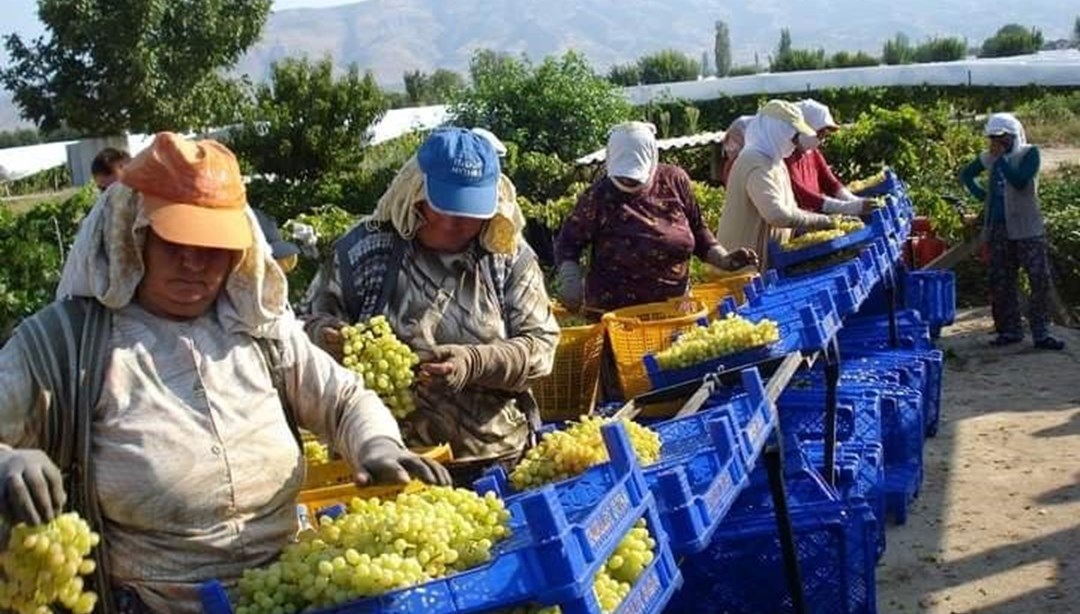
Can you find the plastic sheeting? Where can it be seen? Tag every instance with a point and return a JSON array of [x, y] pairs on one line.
[[1052, 68]]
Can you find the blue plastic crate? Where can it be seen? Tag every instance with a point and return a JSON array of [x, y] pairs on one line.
[[860, 477], [806, 329], [849, 283], [877, 226], [561, 534], [753, 413], [933, 294], [804, 410], [932, 363], [742, 571], [698, 476]]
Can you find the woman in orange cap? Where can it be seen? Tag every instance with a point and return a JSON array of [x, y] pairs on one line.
[[177, 440]]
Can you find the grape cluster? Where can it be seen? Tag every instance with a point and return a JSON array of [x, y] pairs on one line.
[[721, 337], [373, 351], [616, 578], [841, 226], [824, 262], [861, 184], [566, 453], [316, 453], [376, 547], [45, 564]]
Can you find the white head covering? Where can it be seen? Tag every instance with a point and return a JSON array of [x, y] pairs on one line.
[[770, 136], [816, 114], [500, 148], [106, 263], [632, 153], [397, 206], [1006, 123]]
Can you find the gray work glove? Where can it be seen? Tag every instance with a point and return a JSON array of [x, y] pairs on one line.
[[731, 261], [856, 206], [502, 365], [31, 487], [571, 286], [325, 332], [821, 221], [384, 461]]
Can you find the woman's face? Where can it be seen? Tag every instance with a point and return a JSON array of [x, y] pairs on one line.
[[1001, 143], [446, 233], [181, 282]]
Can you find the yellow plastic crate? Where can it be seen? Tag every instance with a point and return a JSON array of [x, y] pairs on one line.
[[714, 291], [571, 388], [641, 329], [337, 472]]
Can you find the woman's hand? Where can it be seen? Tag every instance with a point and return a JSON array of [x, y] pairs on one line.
[[384, 461], [31, 487]]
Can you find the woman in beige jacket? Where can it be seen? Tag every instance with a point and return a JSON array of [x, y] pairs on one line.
[[760, 204]]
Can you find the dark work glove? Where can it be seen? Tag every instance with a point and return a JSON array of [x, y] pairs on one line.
[[383, 461], [31, 487]]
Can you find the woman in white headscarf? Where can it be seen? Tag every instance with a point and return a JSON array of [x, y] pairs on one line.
[[163, 396], [815, 185], [760, 205], [641, 224], [1013, 227]]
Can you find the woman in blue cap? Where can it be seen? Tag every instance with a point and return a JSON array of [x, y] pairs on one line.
[[443, 258]]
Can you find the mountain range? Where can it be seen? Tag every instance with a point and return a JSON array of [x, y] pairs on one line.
[[390, 37]]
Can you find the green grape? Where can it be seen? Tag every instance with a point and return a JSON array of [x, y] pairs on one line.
[[316, 453], [43, 565], [841, 226], [721, 337], [372, 350], [564, 454], [823, 262], [376, 547]]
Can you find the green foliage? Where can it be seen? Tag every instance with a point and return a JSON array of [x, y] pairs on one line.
[[926, 148], [710, 200], [49, 180], [540, 176], [440, 87], [799, 59], [551, 213], [1012, 39], [559, 107], [1060, 196], [784, 47], [36, 243], [141, 65], [303, 136], [668, 66], [626, 75], [946, 49], [743, 71], [898, 51], [722, 50], [330, 223], [845, 59]]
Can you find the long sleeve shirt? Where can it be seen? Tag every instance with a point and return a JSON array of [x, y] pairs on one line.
[[639, 244], [811, 179], [195, 466], [1001, 172]]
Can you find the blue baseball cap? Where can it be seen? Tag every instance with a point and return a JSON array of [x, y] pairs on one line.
[[461, 172]]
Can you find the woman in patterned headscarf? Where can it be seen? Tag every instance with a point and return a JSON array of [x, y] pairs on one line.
[[1013, 227], [165, 393]]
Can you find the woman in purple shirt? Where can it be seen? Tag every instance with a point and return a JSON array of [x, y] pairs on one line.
[[642, 224]]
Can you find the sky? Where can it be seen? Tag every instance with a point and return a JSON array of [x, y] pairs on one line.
[[20, 16]]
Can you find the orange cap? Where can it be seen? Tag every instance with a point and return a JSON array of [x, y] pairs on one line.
[[192, 192]]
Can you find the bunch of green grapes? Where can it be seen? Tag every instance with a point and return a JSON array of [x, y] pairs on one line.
[[842, 225], [373, 351], [376, 547], [616, 578], [45, 564], [721, 337], [316, 453], [564, 454]]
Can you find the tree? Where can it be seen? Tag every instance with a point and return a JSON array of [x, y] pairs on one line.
[[784, 47], [437, 88], [706, 65], [105, 67], [949, 49], [668, 66], [626, 75], [1076, 33], [898, 50], [845, 59], [560, 108], [305, 123], [722, 49], [1012, 39]]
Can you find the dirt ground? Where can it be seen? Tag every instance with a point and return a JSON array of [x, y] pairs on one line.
[[1053, 157], [996, 528]]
